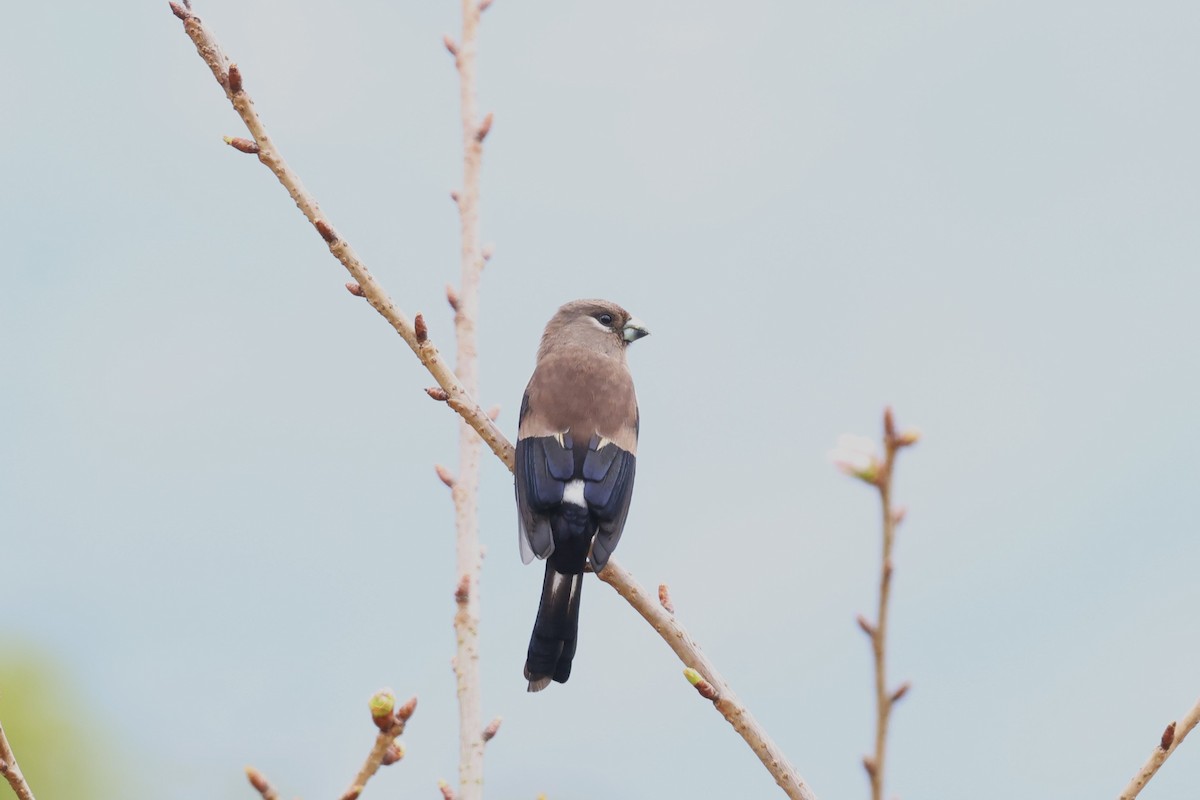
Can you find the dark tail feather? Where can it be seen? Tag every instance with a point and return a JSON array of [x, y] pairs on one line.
[[552, 645]]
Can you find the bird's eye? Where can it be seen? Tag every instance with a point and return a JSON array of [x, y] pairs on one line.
[[605, 319]]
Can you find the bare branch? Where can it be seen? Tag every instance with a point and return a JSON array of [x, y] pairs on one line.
[[11, 770], [1171, 739], [465, 302], [685, 647], [885, 698], [459, 398]]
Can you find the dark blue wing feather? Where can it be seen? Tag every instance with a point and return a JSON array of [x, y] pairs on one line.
[[544, 467]]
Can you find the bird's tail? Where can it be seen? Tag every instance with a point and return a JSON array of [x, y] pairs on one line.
[[552, 645]]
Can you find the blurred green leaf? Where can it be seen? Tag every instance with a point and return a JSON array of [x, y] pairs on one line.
[[60, 747]]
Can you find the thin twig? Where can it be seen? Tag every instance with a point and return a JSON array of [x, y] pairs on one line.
[[685, 647], [465, 302], [385, 751], [1171, 738], [885, 698], [880, 475], [464, 404], [458, 397], [12, 770]]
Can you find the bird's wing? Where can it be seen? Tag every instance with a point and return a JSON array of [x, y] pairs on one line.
[[608, 473], [542, 465]]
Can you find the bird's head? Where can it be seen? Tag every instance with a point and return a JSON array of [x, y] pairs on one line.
[[594, 324]]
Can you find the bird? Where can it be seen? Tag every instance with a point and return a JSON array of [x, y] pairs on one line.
[[575, 459]]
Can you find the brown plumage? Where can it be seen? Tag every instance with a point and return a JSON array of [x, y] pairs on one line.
[[575, 463]]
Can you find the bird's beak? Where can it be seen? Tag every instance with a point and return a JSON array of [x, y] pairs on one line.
[[634, 329]]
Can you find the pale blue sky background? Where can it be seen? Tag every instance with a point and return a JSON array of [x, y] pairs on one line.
[[218, 510]]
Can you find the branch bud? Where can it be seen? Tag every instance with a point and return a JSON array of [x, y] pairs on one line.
[[889, 422], [382, 704], [869, 765], [452, 296], [462, 592], [354, 289], [405, 711], [450, 45], [1168, 737], [866, 626], [259, 782], [484, 127], [244, 145], [493, 413], [908, 437], [444, 475], [234, 79], [447, 792], [899, 514], [484, 5], [857, 457], [487, 251], [664, 598], [901, 691], [352, 793], [180, 11], [437, 393], [454, 195], [393, 754], [326, 232], [492, 728], [420, 328], [706, 689]]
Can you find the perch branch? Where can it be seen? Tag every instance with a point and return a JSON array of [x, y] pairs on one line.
[[11, 770], [735, 712], [1171, 738], [459, 399]]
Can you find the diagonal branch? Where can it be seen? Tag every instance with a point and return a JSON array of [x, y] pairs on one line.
[[230, 78], [11, 771], [1171, 738], [735, 712], [458, 398]]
